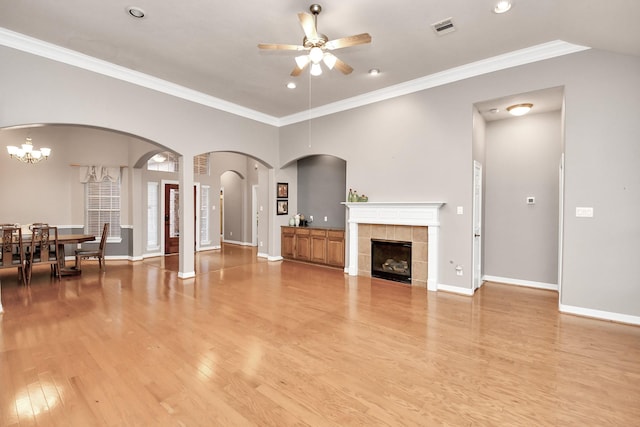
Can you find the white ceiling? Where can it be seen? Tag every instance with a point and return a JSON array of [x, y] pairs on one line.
[[211, 46]]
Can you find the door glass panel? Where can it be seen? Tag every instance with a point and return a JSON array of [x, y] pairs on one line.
[[174, 217]]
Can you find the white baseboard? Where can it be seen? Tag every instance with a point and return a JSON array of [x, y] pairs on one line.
[[188, 275], [599, 314], [518, 282], [455, 289], [275, 258], [262, 255], [208, 248], [236, 242]]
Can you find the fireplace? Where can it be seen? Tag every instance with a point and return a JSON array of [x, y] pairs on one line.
[[391, 260], [390, 220]]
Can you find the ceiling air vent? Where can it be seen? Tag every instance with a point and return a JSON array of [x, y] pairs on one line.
[[443, 27]]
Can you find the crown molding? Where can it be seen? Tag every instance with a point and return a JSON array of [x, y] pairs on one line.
[[496, 63], [70, 57], [57, 53]]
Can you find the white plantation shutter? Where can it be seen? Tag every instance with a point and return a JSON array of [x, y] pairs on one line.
[[103, 206], [152, 216], [204, 215], [170, 163], [201, 164]]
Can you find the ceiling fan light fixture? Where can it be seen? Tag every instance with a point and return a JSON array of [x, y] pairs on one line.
[[302, 61], [316, 69], [502, 6], [374, 71], [329, 60], [316, 54], [519, 109]]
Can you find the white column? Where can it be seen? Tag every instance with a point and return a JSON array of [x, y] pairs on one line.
[[353, 249], [432, 258], [186, 268]]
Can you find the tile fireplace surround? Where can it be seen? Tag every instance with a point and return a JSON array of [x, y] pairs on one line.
[[396, 221]]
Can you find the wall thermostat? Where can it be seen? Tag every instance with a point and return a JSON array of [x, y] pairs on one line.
[[531, 200]]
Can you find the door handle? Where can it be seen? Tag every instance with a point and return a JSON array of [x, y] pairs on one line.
[[476, 235]]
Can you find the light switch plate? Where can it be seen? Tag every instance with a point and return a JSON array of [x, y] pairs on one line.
[[584, 212]]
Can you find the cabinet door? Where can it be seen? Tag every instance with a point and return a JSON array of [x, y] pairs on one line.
[[287, 244], [303, 245], [335, 248], [319, 248]]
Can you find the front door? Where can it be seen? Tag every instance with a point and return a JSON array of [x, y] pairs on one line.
[[171, 219]]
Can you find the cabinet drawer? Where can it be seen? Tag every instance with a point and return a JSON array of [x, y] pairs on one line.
[[336, 234], [302, 231], [321, 233], [290, 231]]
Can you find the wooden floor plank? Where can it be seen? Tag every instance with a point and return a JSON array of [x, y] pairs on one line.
[[250, 342]]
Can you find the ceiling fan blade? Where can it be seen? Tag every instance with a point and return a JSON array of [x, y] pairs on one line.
[[296, 71], [348, 41], [342, 66], [308, 26], [274, 46]]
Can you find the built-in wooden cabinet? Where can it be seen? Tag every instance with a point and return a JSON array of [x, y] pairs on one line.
[[317, 245], [335, 248]]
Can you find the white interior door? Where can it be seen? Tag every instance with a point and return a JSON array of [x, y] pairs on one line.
[[254, 215], [477, 225], [560, 227]]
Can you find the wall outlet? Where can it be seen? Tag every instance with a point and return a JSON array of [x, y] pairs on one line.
[[460, 210], [311, 218], [261, 244], [325, 219], [531, 200], [458, 270], [584, 212], [231, 233]]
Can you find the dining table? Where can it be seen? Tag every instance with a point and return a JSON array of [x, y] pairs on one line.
[[70, 239], [63, 239]]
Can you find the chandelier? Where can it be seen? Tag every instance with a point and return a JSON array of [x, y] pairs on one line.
[[27, 154]]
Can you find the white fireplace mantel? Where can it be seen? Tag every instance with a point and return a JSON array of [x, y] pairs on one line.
[[425, 214]]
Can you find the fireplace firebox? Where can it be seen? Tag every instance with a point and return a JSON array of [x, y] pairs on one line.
[[391, 260]]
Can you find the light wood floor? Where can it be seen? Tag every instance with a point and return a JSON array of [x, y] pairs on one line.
[[256, 343]]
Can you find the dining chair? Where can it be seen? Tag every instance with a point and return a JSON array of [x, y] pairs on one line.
[[94, 253], [13, 250], [43, 250]]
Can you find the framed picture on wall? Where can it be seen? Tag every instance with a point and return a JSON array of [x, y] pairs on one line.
[[282, 207], [283, 190]]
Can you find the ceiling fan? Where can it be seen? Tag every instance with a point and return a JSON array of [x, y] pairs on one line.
[[318, 46]]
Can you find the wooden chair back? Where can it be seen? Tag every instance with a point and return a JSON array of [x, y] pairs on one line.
[[12, 247], [43, 250], [103, 239]]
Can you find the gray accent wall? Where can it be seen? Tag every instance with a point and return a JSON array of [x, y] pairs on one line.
[[321, 189], [234, 206], [522, 160]]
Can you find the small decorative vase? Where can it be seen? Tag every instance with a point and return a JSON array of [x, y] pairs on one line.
[[297, 220], [292, 222]]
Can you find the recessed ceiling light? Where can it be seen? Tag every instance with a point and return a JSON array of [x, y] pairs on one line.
[[136, 12], [374, 71], [519, 109], [502, 6], [291, 85]]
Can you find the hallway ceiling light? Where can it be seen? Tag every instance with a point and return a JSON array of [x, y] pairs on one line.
[[136, 12], [502, 6], [519, 109], [27, 154]]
